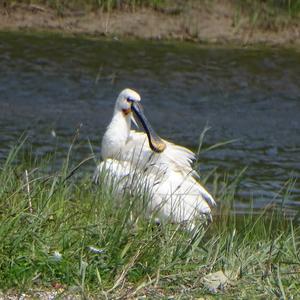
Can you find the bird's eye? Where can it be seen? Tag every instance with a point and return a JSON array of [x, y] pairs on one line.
[[129, 99]]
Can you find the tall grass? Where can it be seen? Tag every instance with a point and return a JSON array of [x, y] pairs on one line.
[[263, 14], [271, 8], [91, 4], [270, 14], [56, 230], [291, 7]]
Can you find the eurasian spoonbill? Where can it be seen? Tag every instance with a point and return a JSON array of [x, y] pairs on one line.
[[134, 161]]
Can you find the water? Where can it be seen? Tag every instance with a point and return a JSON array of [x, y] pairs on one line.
[[51, 84]]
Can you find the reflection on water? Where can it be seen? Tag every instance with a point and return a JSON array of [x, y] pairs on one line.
[[51, 83]]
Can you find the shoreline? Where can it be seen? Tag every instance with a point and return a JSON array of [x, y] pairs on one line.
[[200, 26]]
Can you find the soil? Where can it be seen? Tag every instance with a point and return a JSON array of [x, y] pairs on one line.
[[216, 25]]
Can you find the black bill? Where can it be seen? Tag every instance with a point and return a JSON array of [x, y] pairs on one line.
[[155, 142]]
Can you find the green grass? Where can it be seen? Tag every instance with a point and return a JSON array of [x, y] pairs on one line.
[[59, 212], [269, 14]]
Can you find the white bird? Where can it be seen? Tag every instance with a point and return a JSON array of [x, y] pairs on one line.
[[136, 162]]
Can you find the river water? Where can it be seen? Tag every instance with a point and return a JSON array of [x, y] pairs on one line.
[[51, 85]]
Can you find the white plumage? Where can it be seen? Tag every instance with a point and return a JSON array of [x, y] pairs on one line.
[[135, 161]]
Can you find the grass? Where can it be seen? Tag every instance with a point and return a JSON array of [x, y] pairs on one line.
[[63, 232], [268, 10], [91, 4], [269, 14]]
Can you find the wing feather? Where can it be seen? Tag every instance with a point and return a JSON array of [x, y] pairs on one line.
[[176, 157]]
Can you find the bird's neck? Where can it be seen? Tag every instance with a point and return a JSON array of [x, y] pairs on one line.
[[116, 135]]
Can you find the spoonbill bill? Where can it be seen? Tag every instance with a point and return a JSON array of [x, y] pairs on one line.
[[137, 161]]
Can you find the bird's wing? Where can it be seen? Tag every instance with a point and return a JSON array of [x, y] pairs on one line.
[[111, 170], [175, 157], [181, 198], [180, 157], [172, 194]]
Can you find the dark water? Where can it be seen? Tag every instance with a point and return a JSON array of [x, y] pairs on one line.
[[53, 84]]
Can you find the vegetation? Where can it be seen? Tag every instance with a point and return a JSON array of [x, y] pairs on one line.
[[90, 4], [66, 233], [270, 14], [266, 13]]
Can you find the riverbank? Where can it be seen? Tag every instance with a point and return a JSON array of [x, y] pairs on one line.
[[221, 23]]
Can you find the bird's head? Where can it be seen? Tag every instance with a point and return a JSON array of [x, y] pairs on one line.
[[125, 100], [128, 101]]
